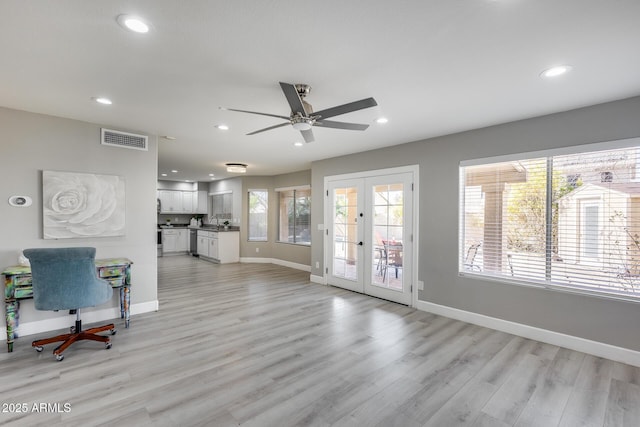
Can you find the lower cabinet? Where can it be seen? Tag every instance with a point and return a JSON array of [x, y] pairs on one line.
[[203, 244], [223, 246], [175, 240]]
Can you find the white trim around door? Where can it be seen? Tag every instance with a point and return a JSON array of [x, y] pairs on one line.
[[371, 243]]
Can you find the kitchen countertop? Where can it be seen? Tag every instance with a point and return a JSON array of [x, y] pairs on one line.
[[214, 228], [205, 227]]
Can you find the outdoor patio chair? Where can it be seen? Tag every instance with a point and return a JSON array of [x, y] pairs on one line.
[[469, 260]]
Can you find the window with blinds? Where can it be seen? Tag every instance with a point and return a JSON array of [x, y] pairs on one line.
[[294, 215], [564, 221]]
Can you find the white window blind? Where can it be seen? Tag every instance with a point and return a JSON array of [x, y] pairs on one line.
[[567, 221]]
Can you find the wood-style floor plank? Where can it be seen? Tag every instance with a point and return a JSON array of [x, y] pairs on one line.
[[259, 345]]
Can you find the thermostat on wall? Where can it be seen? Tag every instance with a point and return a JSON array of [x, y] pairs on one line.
[[20, 201]]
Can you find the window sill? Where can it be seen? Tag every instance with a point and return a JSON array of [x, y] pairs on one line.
[[549, 287]]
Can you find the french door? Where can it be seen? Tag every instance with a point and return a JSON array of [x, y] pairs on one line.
[[370, 235]]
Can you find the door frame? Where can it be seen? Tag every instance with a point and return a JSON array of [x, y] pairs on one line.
[[415, 170]]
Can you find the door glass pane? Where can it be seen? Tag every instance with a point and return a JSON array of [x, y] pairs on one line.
[[388, 232], [345, 235]]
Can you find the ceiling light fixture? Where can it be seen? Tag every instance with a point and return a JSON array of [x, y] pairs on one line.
[[223, 127], [102, 100], [382, 120], [236, 167], [133, 23], [298, 144], [163, 174], [555, 71], [174, 171]]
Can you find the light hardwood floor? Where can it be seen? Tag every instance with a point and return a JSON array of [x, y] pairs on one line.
[[259, 345]]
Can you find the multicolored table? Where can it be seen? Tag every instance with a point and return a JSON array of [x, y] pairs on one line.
[[17, 286]]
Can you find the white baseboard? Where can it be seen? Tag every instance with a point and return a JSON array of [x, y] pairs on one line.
[[317, 279], [256, 260], [276, 261], [618, 354], [62, 322]]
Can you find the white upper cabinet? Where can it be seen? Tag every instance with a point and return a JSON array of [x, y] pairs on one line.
[[201, 202], [186, 202]]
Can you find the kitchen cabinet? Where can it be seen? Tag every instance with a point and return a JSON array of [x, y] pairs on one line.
[[201, 202], [175, 240], [203, 243], [222, 247], [187, 201], [170, 201], [174, 201]]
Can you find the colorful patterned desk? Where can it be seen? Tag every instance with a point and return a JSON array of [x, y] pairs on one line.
[[17, 286]]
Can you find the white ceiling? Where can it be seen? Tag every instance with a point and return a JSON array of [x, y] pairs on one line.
[[434, 67]]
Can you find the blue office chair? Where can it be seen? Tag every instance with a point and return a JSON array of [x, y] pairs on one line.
[[66, 279]]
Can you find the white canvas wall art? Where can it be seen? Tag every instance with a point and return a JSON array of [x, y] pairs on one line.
[[77, 205]]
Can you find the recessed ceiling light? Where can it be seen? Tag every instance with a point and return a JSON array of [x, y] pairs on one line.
[[102, 100], [163, 174], [133, 23], [555, 71], [382, 120], [187, 180], [298, 144], [223, 127], [211, 174], [170, 138], [174, 171], [236, 167]]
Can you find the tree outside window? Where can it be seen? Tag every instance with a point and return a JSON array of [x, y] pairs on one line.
[[258, 211]]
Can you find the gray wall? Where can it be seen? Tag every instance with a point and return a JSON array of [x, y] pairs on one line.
[[607, 321], [32, 143]]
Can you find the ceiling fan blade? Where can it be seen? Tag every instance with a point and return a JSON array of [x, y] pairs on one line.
[[307, 135], [269, 128], [293, 98], [340, 125], [255, 112], [346, 108]]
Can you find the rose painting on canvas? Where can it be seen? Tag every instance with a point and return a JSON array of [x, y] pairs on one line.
[[76, 205]]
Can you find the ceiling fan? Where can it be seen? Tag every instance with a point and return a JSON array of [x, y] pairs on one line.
[[303, 117]]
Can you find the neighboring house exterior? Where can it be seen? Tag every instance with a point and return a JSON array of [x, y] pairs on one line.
[[597, 224]]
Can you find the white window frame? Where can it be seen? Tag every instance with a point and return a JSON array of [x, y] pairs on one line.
[[251, 238], [472, 273]]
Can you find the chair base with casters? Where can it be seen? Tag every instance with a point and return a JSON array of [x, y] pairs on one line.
[[76, 334], [66, 279]]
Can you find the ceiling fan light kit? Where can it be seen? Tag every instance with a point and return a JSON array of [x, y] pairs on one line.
[[303, 118]]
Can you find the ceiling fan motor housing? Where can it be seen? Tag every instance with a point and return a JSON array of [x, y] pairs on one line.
[[304, 90]]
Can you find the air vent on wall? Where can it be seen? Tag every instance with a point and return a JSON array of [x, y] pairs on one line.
[[120, 139]]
